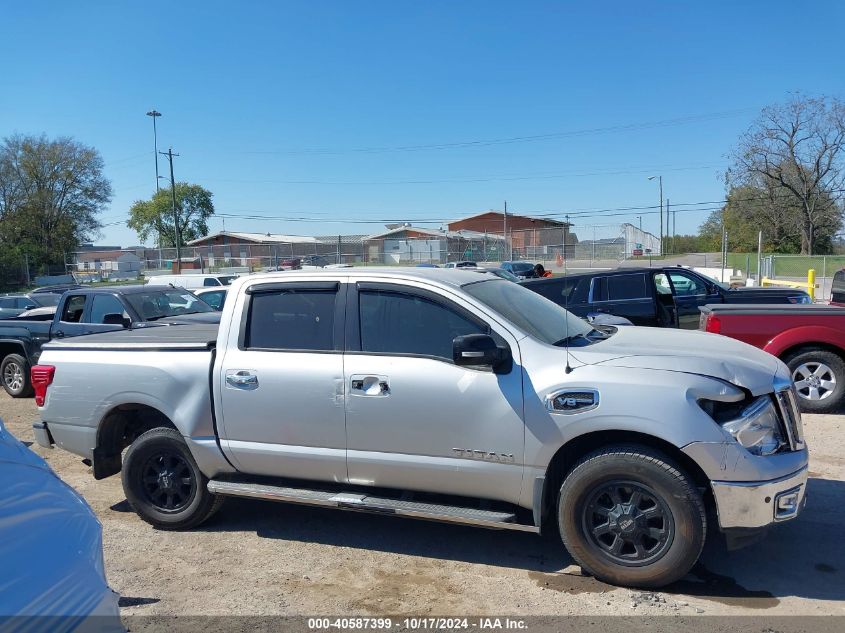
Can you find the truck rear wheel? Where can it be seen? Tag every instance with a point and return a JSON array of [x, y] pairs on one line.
[[819, 377], [630, 516], [163, 483], [15, 372]]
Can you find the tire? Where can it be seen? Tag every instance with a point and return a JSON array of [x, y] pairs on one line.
[[819, 377], [647, 542], [163, 483], [14, 371]]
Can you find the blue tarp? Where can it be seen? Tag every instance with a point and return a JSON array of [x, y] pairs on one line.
[[51, 554]]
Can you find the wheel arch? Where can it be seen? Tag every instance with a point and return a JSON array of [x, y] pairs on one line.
[[569, 453], [119, 427]]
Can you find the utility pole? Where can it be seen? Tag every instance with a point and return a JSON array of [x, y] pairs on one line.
[[170, 156], [505, 229]]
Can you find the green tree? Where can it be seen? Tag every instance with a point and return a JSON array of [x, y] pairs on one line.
[[765, 207], [51, 192], [153, 218]]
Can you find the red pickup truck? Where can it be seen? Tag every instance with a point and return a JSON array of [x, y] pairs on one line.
[[810, 339]]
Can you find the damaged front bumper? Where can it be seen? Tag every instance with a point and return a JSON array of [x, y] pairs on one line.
[[757, 504]]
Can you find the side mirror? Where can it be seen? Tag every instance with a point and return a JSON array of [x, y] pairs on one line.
[[481, 350], [115, 319], [30, 306]]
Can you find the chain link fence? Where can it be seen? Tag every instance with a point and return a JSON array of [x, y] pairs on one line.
[[553, 247], [557, 248]]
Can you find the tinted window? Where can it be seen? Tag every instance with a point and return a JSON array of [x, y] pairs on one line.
[[210, 281], [7, 303], [102, 305], [687, 285], [620, 287], [292, 319], [400, 323], [522, 267], [46, 299], [74, 307]]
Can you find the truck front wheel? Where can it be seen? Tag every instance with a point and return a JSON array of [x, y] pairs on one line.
[[15, 372], [163, 483], [630, 516]]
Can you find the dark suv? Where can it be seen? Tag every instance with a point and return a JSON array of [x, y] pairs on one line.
[[661, 297]]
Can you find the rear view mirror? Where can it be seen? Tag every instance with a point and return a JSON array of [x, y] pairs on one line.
[[481, 350], [115, 319]]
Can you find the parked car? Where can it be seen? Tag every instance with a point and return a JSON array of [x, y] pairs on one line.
[[290, 263], [192, 282], [464, 264], [523, 270], [444, 395], [57, 289], [90, 310], [15, 305], [52, 575], [810, 339], [213, 296], [661, 297]]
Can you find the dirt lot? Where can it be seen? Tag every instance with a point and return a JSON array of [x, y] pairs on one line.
[[262, 558]]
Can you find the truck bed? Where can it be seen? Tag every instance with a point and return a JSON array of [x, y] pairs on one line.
[[787, 309], [193, 337]]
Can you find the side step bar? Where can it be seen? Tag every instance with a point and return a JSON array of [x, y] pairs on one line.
[[366, 503]]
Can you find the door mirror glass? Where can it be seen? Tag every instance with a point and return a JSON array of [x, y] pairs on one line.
[[481, 350]]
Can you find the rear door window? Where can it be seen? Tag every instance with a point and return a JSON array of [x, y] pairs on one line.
[[296, 319], [626, 287]]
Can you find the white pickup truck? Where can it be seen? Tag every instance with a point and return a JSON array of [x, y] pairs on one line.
[[439, 394]]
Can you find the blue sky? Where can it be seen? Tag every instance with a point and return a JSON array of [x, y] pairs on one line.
[[317, 110]]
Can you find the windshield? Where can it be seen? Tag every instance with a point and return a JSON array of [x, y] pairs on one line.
[[158, 304], [45, 299], [535, 315]]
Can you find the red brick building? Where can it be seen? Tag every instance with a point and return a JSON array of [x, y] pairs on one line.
[[529, 237]]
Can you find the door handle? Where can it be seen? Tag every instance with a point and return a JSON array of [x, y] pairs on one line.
[[362, 385], [242, 379], [59, 333]]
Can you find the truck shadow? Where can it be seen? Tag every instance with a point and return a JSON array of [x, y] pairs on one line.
[[802, 558]]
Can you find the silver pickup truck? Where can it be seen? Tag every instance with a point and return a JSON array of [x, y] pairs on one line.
[[439, 394]]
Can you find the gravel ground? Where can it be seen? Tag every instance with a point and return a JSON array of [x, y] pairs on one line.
[[261, 558]]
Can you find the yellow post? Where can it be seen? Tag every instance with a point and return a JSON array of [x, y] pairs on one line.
[[811, 284]]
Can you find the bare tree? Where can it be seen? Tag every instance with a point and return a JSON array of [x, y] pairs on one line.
[[797, 149]]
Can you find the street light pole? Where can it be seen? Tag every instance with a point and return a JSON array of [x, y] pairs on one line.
[[155, 114], [660, 181]]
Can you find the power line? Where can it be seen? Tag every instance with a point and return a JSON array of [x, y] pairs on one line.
[[431, 181], [712, 116]]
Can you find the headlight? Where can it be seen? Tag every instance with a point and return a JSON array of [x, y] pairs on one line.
[[758, 427]]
